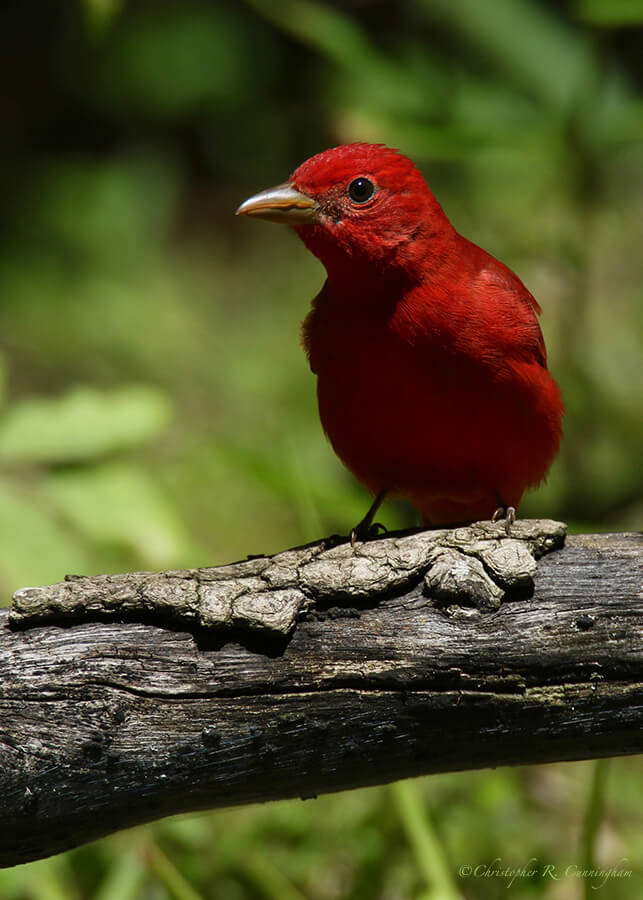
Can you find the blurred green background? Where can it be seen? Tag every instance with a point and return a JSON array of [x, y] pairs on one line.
[[155, 406]]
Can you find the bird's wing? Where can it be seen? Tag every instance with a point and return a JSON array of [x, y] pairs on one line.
[[515, 309]]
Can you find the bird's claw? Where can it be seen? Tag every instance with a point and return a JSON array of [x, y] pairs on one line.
[[508, 513], [366, 531]]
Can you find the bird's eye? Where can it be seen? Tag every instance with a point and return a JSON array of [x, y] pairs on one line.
[[360, 190]]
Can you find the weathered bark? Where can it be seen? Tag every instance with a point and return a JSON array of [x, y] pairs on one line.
[[403, 657]]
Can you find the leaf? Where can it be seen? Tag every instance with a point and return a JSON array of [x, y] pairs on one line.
[[176, 885], [117, 503], [83, 424], [527, 41], [372, 75], [3, 380], [34, 549], [109, 214], [611, 13], [125, 875], [202, 45]]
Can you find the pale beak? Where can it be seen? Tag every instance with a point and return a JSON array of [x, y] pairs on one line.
[[283, 204]]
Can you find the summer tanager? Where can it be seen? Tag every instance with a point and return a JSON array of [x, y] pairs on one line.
[[431, 367]]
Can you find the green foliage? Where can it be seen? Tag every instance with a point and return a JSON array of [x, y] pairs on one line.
[[364, 844], [611, 13], [65, 494], [82, 425], [200, 46], [156, 409], [101, 13], [34, 548]]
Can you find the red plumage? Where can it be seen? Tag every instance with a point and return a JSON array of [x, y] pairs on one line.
[[431, 366]]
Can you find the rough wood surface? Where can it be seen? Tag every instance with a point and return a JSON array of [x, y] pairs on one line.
[[395, 664], [477, 564]]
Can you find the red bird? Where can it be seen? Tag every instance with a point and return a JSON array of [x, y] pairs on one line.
[[431, 367]]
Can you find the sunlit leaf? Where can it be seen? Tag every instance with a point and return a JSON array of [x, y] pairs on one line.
[[118, 503], [613, 13], [81, 425], [388, 83], [34, 548], [3, 379], [44, 879], [173, 880], [526, 41], [107, 211], [125, 876]]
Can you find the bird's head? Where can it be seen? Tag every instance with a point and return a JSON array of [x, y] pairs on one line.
[[356, 207]]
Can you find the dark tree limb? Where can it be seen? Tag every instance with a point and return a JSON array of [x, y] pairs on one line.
[[127, 698]]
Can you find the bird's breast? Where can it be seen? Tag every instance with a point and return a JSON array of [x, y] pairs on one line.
[[421, 415], [381, 400]]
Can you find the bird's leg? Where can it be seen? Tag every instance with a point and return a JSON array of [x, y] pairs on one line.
[[508, 513], [366, 528]]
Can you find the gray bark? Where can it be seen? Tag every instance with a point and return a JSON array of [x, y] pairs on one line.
[[127, 698]]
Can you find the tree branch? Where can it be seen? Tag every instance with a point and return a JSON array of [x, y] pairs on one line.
[[319, 669]]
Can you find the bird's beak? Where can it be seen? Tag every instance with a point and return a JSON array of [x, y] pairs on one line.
[[283, 204]]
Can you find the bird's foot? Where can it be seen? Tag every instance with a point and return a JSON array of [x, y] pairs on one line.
[[508, 513], [364, 531], [367, 528]]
